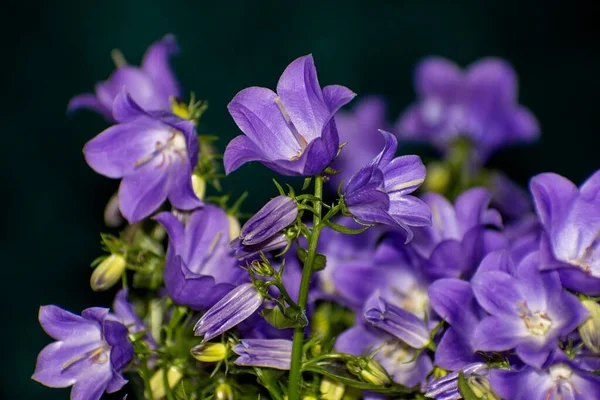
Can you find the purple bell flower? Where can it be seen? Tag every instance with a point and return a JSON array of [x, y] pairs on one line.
[[151, 85], [153, 153], [396, 321], [276, 215], [479, 104], [380, 192], [268, 353], [244, 253], [292, 131], [89, 354], [360, 130], [571, 220], [200, 267], [233, 308], [561, 379], [529, 311]]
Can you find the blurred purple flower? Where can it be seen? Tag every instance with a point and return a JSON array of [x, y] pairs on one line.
[[571, 220], [292, 131], [151, 85], [380, 192], [268, 353], [90, 352], [529, 311], [200, 267], [479, 104], [154, 153], [359, 128]]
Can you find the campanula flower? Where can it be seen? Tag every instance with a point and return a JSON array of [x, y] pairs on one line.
[[528, 312], [152, 85], [236, 306], [89, 354], [293, 131], [359, 128], [199, 267], [380, 192], [479, 104], [153, 153], [446, 387], [561, 379], [268, 353], [571, 220]]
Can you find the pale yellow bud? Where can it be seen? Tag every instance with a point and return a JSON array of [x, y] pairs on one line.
[[480, 386], [199, 185], [157, 382], [108, 272], [234, 227], [374, 373], [209, 352], [309, 398], [332, 390], [223, 391], [590, 329], [438, 178]]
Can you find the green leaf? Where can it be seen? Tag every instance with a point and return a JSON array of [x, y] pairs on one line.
[[464, 388], [345, 229], [319, 263], [307, 182], [286, 318]]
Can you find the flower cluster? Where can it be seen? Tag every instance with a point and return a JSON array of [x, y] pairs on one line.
[[389, 279]]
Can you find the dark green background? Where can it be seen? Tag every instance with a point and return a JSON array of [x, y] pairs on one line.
[[51, 51]]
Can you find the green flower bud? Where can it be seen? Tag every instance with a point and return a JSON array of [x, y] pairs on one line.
[[262, 267], [480, 385], [108, 272], [199, 186], [223, 391], [438, 178], [590, 329], [370, 371], [209, 352], [157, 382], [332, 390]]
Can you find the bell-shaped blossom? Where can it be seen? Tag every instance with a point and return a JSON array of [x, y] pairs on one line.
[[396, 321], [151, 85], [406, 365], [199, 267], [89, 354], [268, 353], [292, 131], [479, 104], [236, 306], [560, 379], [453, 300], [528, 312], [380, 192], [276, 215], [153, 153], [571, 220], [359, 129], [243, 253], [460, 234]]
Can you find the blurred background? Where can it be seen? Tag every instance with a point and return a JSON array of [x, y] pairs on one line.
[[53, 203]]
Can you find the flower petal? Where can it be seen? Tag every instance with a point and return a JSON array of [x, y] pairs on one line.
[[156, 65], [89, 101], [552, 195], [498, 334], [498, 293], [239, 151], [438, 77], [142, 193], [63, 325]]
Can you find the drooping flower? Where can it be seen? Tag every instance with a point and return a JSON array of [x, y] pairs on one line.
[[479, 104], [151, 85], [571, 220], [199, 267], [560, 379], [292, 131], [89, 354], [360, 130], [236, 306], [529, 311], [153, 153], [380, 192], [268, 353], [263, 229]]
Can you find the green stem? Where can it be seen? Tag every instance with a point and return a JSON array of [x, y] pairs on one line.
[[313, 241]]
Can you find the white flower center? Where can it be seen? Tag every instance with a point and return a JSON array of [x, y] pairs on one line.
[[166, 152], [537, 323], [560, 372], [396, 352]]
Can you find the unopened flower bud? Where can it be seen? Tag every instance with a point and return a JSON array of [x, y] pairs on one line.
[[590, 329], [332, 390], [262, 267], [108, 272], [199, 186], [480, 385], [157, 382], [209, 352], [234, 227], [370, 371], [223, 391]]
